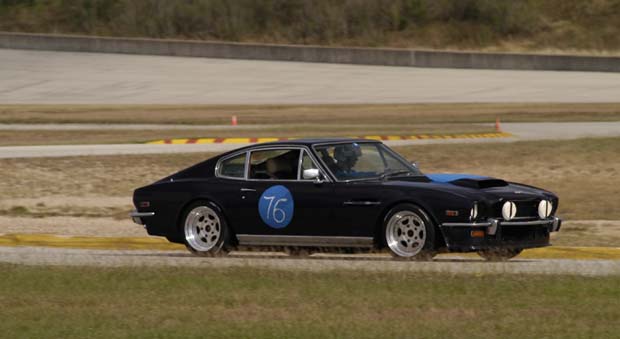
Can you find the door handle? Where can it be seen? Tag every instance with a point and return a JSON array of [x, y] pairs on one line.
[[361, 203], [247, 189]]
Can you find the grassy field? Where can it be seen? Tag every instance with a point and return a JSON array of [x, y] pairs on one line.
[[329, 115], [581, 172], [103, 136], [531, 25], [54, 302]]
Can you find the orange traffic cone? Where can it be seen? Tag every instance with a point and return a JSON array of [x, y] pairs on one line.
[[233, 120], [498, 128]]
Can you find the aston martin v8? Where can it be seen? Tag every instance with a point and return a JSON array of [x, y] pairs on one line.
[[342, 194]]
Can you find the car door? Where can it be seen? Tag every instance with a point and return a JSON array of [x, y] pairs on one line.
[[358, 206], [359, 196], [276, 200]]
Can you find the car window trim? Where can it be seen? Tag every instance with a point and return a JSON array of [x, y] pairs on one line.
[[358, 142], [248, 152], [285, 148], [218, 165], [301, 160]]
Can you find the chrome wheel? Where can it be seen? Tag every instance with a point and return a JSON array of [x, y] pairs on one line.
[[202, 229], [405, 234]]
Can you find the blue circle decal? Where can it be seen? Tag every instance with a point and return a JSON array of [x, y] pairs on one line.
[[276, 206]]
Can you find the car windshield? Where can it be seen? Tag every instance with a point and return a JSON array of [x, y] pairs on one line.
[[354, 161]]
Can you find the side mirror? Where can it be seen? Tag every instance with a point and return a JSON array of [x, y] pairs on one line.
[[312, 174], [415, 164]]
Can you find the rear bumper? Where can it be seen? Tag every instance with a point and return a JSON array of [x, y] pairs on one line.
[[499, 234], [138, 217]]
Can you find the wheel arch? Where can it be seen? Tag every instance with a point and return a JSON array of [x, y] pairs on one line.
[[214, 203], [439, 239]]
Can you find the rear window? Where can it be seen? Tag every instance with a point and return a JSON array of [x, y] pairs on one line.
[[233, 167]]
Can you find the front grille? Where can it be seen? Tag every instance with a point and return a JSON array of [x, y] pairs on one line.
[[524, 233], [526, 209]]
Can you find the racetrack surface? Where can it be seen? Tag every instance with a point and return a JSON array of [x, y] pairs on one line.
[[45, 77], [449, 264], [520, 132]]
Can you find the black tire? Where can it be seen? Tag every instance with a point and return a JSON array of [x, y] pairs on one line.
[[204, 230], [412, 238], [500, 254]]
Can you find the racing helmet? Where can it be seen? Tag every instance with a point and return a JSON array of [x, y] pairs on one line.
[[347, 153]]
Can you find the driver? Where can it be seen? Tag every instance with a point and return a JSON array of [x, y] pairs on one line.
[[346, 157]]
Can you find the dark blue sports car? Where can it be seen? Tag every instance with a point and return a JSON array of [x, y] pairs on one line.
[[341, 194]]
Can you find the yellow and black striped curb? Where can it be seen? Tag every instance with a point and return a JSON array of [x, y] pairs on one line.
[[370, 137], [159, 244]]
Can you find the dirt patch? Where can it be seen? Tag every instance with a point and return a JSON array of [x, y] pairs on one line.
[[588, 233]]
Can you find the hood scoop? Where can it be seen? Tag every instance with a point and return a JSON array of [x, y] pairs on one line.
[[467, 180], [480, 183]]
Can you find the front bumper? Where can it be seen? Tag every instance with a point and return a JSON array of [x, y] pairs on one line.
[[499, 234], [138, 217]]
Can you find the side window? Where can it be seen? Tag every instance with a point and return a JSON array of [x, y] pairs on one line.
[[233, 167], [281, 164]]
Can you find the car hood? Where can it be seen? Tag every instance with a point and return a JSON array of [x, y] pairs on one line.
[[467, 180], [491, 187]]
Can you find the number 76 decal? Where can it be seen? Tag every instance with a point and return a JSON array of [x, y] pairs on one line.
[[276, 206]]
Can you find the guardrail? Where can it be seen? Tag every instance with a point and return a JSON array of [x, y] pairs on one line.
[[341, 55]]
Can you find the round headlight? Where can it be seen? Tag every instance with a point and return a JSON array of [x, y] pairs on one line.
[[544, 209], [509, 210], [473, 213]]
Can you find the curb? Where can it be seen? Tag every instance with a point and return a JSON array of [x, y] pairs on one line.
[[370, 137], [159, 244]]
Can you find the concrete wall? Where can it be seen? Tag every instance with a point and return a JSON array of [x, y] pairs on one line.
[[364, 56]]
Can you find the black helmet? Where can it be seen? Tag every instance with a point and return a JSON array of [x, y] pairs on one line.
[[347, 153]]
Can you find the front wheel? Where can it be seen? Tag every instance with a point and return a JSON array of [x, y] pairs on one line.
[[205, 230], [409, 233], [500, 254]]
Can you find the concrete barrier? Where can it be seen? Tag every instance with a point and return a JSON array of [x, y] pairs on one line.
[[341, 55]]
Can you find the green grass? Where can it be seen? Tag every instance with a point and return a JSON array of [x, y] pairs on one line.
[[565, 25], [59, 302]]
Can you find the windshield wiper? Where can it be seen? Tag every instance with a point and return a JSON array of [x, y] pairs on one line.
[[393, 172]]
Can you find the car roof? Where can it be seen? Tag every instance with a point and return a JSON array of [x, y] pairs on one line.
[[309, 142], [314, 141]]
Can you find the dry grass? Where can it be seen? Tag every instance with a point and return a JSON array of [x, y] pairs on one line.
[[54, 302], [299, 114], [97, 176], [584, 173], [589, 233], [103, 136]]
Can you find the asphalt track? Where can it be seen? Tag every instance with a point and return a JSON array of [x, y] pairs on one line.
[[520, 132], [45, 77], [449, 264]]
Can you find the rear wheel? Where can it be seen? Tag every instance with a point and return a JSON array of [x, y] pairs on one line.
[[500, 254], [205, 230], [409, 233]]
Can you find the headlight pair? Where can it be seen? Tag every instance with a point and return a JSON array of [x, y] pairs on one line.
[[509, 209]]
